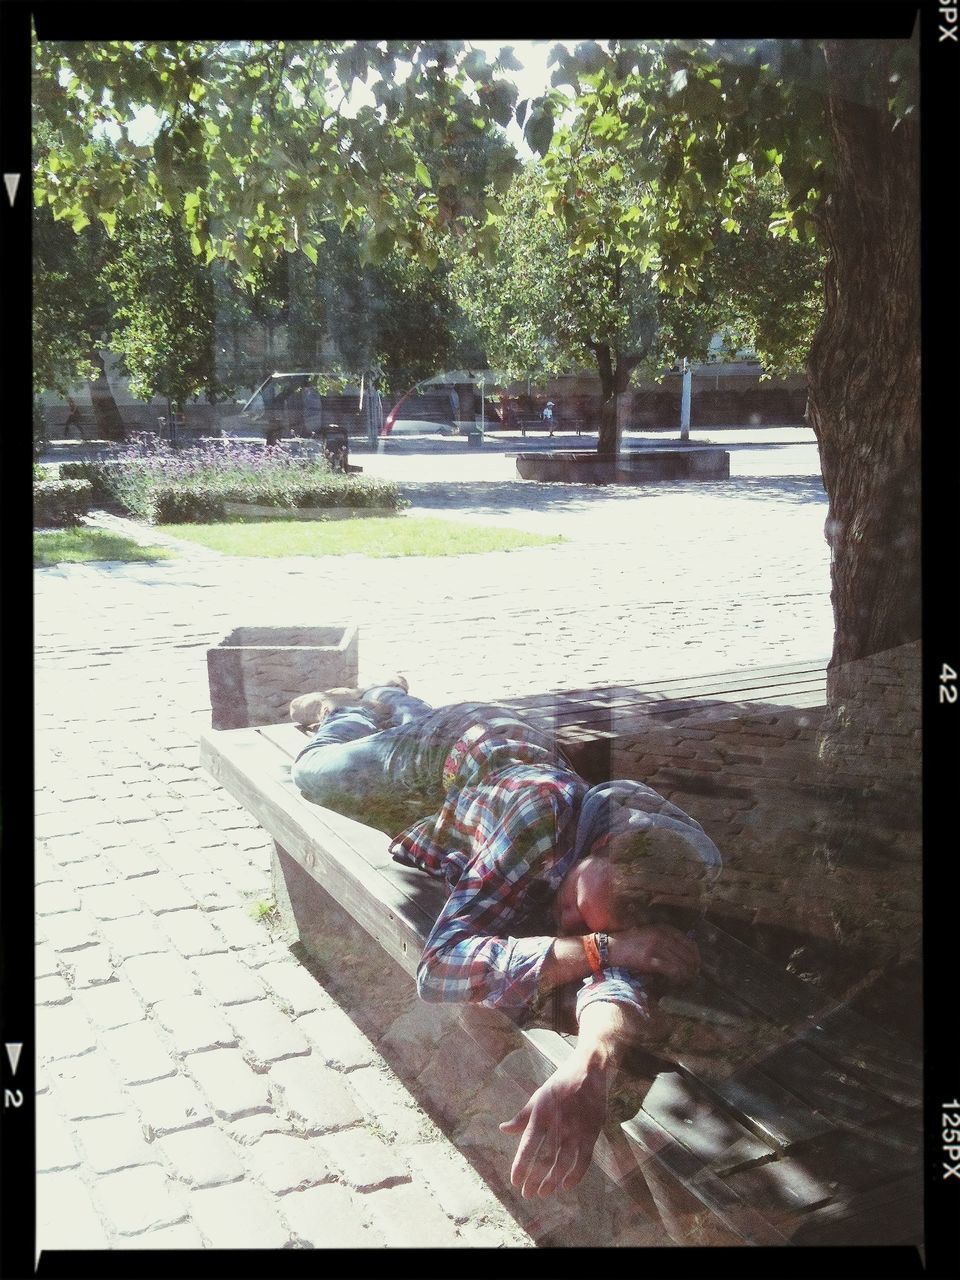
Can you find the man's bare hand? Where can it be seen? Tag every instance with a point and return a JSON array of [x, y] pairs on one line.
[[559, 1125], [657, 949]]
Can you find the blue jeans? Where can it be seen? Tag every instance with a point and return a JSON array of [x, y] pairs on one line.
[[387, 777]]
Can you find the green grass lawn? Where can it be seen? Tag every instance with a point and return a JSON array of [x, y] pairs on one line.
[[365, 536], [80, 545]]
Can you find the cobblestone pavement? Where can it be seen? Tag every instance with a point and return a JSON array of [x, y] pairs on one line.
[[197, 1087]]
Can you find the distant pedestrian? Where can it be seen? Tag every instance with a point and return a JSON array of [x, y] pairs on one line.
[[547, 414], [73, 417]]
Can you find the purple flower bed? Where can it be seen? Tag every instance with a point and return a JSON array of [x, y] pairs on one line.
[[165, 485]]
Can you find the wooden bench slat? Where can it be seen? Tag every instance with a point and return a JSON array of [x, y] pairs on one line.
[[840, 1096], [685, 1111], [764, 1106], [691, 686], [649, 1139], [887, 1215]]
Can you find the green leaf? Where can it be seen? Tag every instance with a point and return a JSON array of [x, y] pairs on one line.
[[80, 221], [310, 251], [539, 130], [423, 174]]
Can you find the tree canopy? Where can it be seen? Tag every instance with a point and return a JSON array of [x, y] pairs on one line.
[[258, 147]]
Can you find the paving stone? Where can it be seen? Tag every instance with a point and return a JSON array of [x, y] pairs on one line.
[[284, 1162], [88, 872], [45, 961], [266, 1035], [160, 977], [161, 892], [69, 931], [239, 929], [382, 1097], [138, 1053], [227, 980], [238, 1216], [246, 879], [457, 1188], [194, 1023], [66, 1215], [181, 1236], [295, 987], [314, 1094], [202, 1157], [139, 1199], [169, 1105], [138, 856], [191, 932], [408, 1217], [112, 1004], [363, 1160], [209, 890], [110, 902], [133, 936], [248, 1130], [69, 849], [232, 1087], [338, 1040], [181, 858], [66, 820], [110, 1143], [90, 967], [62, 1032], [52, 990], [55, 1145], [85, 1088], [332, 1217], [54, 898]]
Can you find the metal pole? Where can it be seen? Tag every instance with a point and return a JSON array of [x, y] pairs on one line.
[[685, 400]]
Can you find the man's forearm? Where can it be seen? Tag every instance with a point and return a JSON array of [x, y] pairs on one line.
[[606, 1031], [566, 961]]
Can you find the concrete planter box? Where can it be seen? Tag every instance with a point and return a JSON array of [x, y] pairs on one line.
[[258, 512], [255, 672], [640, 466]]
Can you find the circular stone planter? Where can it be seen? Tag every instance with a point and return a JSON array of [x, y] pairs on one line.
[[639, 466]]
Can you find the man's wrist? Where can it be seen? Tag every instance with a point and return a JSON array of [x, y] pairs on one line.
[[596, 947]]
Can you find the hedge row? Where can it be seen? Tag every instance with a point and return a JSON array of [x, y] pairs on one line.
[[199, 498], [58, 504]]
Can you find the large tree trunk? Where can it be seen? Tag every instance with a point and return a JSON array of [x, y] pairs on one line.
[[108, 423], [615, 370], [864, 369], [864, 381]]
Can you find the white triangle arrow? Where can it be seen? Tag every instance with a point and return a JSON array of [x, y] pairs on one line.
[[11, 181], [13, 1053]]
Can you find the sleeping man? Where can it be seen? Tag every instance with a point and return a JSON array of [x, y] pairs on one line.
[[553, 886]]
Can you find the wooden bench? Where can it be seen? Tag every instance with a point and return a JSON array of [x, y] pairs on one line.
[[587, 722], [770, 1116]]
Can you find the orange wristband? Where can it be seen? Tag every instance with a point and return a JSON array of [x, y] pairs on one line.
[[589, 942]]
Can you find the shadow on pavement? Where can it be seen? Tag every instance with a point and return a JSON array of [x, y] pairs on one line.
[[491, 497]]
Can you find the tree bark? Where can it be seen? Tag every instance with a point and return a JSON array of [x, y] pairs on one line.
[[864, 367], [109, 424], [615, 370]]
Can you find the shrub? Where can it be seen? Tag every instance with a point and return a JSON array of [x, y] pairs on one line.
[[101, 476], [58, 504], [193, 485]]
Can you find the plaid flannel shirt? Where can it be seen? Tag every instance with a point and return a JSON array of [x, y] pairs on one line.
[[503, 841]]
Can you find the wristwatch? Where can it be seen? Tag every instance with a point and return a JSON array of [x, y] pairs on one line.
[[597, 947]]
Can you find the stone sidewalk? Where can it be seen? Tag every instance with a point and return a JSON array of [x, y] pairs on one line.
[[197, 1086]]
